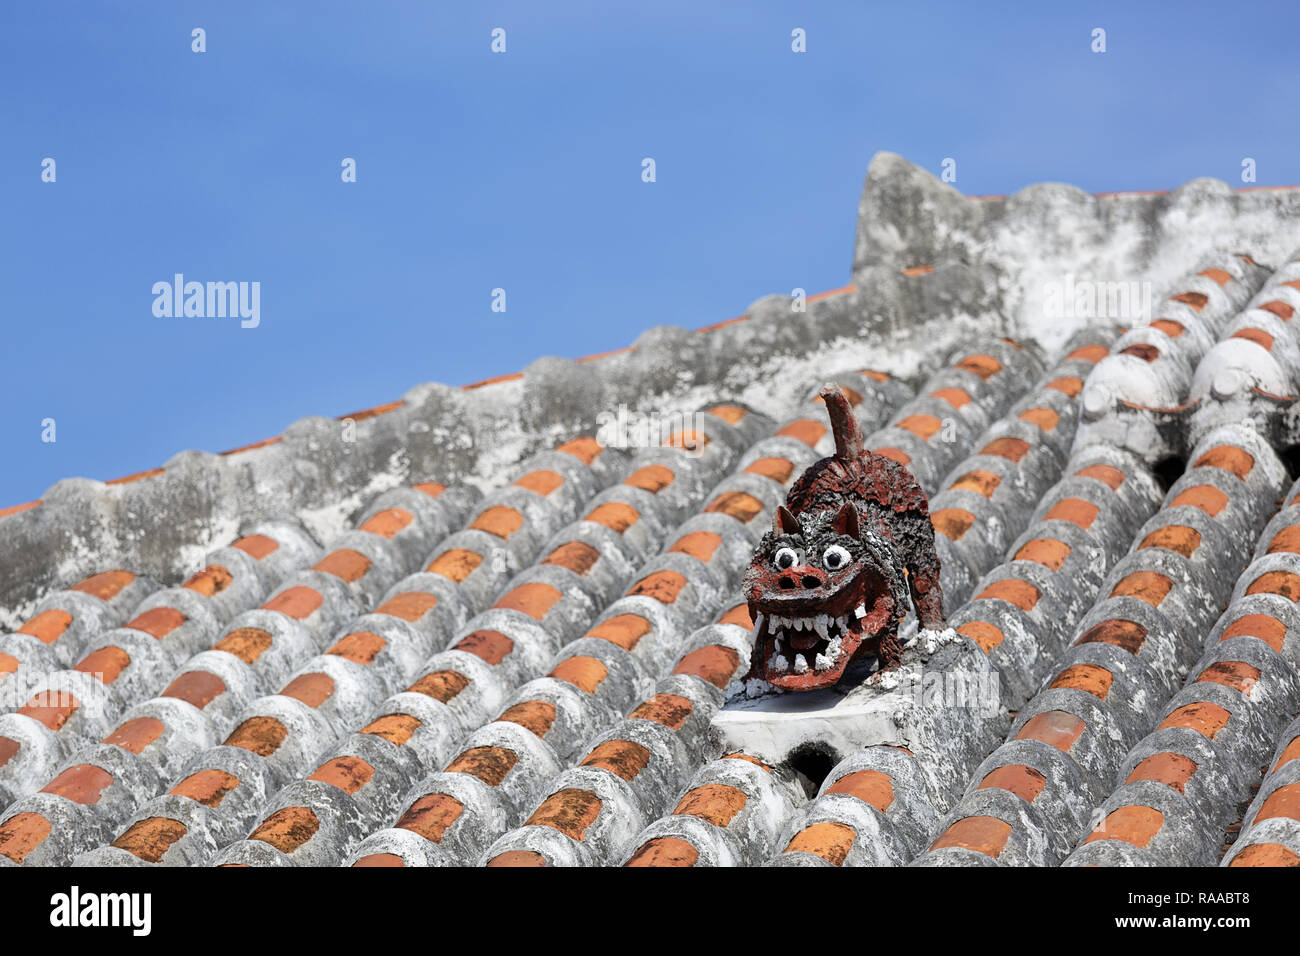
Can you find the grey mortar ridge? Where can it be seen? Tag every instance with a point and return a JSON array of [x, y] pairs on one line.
[[980, 282], [467, 435]]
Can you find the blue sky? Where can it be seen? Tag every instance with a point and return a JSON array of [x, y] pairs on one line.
[[521, 171]]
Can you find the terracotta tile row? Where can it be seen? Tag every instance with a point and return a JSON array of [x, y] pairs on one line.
[[1032, 798], [1265, 322], [988, 498], [917, 789], [875, 808], [874, 396], [626, 773], [882, 805], [343, 670], [634, 770], [933, 431], [1263, 613], [1152, 366], [1182, 786], [742, 820], [581, 565], [1206, 511], [613, 665], [1148, 396], [83, 750], [608, 662], [1270, 831], [709, 823], [1254, 369], [53, 638], [734, 811], [258, 651], [65, 621], [1249, 375], [730, 814]]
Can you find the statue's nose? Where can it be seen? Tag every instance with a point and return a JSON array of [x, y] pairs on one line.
[[804, 577]]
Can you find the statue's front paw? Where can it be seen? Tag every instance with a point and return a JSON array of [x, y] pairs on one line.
[[749, 688], [886, 678]]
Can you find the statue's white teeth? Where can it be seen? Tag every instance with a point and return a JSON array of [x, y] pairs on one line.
[[758, 627], [823, 663], [860, 611], [779, 664], [820, 625], [800, 664], [834, 649]]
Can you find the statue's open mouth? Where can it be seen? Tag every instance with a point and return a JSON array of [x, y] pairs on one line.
[[805, 639]]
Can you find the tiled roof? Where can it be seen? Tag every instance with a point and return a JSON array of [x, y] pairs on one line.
[[520, 647]]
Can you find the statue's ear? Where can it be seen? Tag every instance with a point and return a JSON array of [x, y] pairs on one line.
[[785, 522], [846, 521]]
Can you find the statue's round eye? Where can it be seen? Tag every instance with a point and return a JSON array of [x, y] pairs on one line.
[[835, 557], [785, 558]]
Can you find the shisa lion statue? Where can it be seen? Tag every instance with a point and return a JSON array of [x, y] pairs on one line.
[[830, 583]]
